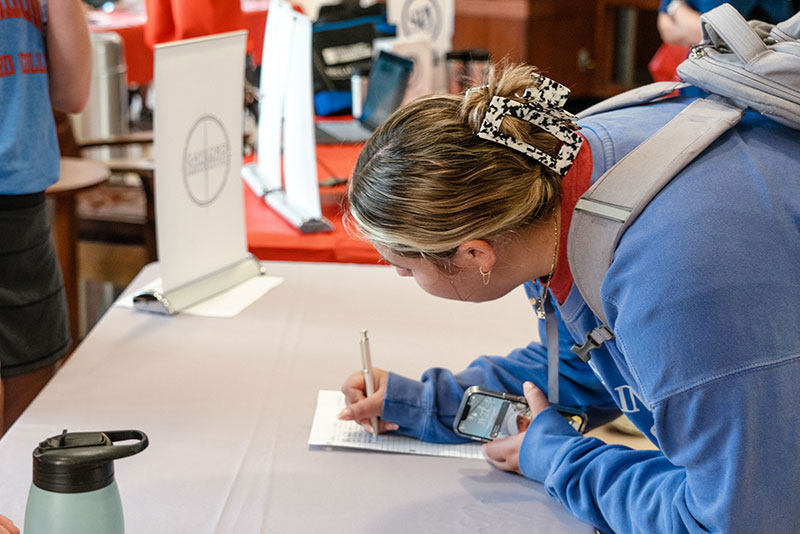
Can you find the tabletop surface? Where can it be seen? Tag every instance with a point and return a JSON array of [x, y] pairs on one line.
[[228, 405], [77, 174]]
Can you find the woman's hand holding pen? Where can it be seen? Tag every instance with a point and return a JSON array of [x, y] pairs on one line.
[[361, 408], [504, 453]]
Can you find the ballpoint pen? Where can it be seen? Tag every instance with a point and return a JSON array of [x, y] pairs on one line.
[[366, 365]]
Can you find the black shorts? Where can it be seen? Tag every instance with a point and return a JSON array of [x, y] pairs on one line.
[[34, 326]]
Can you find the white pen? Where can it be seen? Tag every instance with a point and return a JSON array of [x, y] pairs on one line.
[[366, 365]]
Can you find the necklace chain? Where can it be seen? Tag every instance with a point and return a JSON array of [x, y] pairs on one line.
[[540, 298]]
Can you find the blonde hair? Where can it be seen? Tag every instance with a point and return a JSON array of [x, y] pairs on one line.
[[425, 182]]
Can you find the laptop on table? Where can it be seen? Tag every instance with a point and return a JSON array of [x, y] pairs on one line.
[[388, 80]]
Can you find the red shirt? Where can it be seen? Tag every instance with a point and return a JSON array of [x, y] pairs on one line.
[[573, 185], [172, 20]]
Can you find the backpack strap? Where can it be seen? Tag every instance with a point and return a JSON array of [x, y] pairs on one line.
[[553, 360], [613, 202], [632, 97], [594, 339], [726, 28]]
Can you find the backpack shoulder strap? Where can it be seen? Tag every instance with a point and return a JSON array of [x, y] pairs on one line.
[[613, 202], [632, 97]]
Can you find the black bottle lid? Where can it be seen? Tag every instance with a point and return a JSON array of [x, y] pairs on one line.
[[77, 462]]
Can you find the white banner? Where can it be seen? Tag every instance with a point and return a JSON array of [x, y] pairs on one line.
[[200, 225]]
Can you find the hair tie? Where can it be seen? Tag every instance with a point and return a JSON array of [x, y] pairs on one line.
[[476, 88]]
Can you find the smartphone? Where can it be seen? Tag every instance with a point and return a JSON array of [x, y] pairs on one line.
[[486, 415]]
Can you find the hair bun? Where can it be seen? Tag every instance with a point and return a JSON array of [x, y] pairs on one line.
[[506, 80]]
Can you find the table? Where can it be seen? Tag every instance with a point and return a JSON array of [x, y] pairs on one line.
[[228, 404], [76, 175], [270, 237]]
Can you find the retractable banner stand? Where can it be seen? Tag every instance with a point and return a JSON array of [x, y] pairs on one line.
[[200, 223], [285, 174]]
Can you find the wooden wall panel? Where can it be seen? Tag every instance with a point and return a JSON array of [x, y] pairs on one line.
[[554, 35], [500, 26], [575, 42]]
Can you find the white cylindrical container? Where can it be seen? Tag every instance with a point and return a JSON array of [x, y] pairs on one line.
[[359, 82]]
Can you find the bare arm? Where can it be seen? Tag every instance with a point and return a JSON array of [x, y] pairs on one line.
[[682, 28], [69, 55]]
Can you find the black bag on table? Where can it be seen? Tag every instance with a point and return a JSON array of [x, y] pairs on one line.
[[341, 46]]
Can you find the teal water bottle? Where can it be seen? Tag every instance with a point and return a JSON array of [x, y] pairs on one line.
[[73, 490]]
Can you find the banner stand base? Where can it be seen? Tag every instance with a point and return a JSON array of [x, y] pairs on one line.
[[176, 300], [276, 199], [306, 224]]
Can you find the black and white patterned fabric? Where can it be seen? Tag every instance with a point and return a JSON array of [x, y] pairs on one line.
[[542, 106]]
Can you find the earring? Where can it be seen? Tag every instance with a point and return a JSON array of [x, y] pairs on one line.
[[486, 275]]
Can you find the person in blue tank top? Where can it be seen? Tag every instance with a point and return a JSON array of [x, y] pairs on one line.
[[679, 20], [703, 296], [45, 63]]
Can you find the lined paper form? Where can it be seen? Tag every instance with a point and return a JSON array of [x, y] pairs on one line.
[[330, 431]]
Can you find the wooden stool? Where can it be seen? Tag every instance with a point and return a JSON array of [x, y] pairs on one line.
[[76, 175]]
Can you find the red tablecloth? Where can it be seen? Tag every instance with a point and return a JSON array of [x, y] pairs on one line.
[[270, 237], [139, 57]]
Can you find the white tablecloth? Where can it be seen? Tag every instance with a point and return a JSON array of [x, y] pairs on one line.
[[228, 404]]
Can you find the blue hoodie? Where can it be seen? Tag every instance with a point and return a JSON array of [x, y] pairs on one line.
[[704, 298]]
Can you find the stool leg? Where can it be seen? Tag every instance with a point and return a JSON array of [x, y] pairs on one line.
[[65, 234], [20, 391]]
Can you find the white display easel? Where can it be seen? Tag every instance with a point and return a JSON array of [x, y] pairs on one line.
[[285, 174], [200, 226]]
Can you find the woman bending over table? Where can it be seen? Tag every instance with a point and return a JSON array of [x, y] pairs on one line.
[[703, 297]]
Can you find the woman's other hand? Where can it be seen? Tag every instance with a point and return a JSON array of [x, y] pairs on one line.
[[7, 526], [504, 453], [361, 408]]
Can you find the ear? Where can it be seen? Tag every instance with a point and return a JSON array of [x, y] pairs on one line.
[[474, 255]]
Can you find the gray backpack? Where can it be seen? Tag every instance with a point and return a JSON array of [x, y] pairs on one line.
[[742, 65]]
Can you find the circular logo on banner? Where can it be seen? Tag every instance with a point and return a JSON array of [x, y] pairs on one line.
[[206, 160], [422, 16]]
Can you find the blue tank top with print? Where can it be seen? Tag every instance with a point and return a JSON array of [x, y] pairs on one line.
[[29, 155]]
